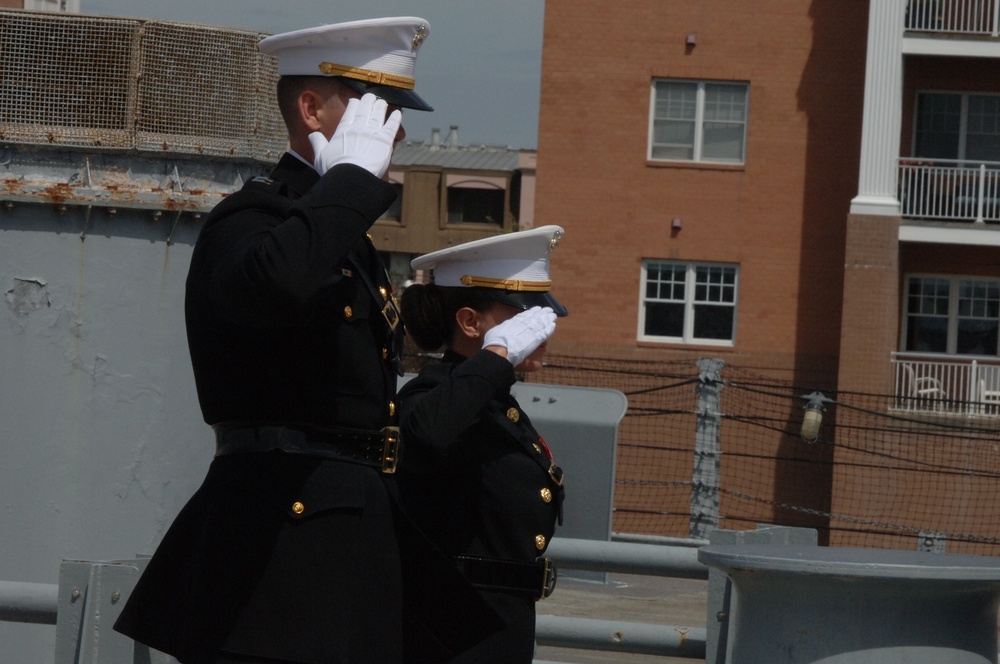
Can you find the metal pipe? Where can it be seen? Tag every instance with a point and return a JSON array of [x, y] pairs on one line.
[[626, 557], [659, 539], [616, 636], [29, 602]]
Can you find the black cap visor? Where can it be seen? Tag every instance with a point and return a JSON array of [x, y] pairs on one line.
[[526, 300], [393, 96]]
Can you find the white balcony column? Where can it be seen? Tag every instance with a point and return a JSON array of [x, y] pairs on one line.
[[882, 110]]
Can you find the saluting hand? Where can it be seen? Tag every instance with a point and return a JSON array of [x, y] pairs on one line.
[[364, 137], [522, 334]]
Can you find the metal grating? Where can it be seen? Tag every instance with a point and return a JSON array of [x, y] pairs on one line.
[[65, 81], [149, 86]]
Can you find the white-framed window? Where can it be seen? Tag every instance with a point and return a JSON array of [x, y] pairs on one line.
[[699, 121], [687, 302], [953, 315], [957, 125]]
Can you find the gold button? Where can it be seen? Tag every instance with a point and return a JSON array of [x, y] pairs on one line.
[[546, 495], [298, 507], [383, 292], [348, 312], [392, 408], [537, 448], [539, 542], [385, 353], [513, 415]]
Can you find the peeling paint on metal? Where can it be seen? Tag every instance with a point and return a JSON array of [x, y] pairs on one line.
[[28, 295]]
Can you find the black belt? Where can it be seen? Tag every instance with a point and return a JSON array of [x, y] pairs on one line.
[[536, 578], [379, 449]]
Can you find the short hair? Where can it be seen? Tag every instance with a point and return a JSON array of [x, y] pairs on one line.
[[428, 311], [291, 87]]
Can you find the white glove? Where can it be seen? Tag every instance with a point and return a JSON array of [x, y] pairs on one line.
[[364, 137], [523, 333]]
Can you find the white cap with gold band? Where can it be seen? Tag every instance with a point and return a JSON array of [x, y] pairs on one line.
[[375, 55], [513, 267]]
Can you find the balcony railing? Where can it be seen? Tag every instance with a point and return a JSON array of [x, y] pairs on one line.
[[968, 17], [959, 386], [949, 189]]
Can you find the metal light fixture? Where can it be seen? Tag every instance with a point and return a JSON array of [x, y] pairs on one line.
[[813, 419]]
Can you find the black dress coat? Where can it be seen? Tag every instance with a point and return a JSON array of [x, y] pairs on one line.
[[478, 481], [283, 330]]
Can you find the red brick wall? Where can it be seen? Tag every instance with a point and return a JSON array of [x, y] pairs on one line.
[[871, 303], [781, 217]]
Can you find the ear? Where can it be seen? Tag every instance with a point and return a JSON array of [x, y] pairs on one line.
[[467, 322], [310, 105]]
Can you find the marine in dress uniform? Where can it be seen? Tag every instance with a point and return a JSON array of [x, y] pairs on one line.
[[294, 548], [481, 481]]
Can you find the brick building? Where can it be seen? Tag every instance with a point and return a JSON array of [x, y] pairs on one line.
[[806, 190], [765, 183]]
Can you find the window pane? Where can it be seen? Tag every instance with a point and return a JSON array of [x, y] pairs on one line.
[[927, 334], [664, 319], [674, 112], [722, 142], [715, 284], [725, 117], [978, 298], [713, 322], [665, 281], [938, 125], [482, 206], [673, 139], [676, 100], [725, 102], [977, 337], [928, 296], [674, 152], [982, 139]]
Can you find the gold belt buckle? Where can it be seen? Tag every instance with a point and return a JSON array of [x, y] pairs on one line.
[[390, 449], [549, 580], [391, 313]]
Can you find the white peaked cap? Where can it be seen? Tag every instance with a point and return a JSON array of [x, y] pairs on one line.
[[514, 266], [379, 55]]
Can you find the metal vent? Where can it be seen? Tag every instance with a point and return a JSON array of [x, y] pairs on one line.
[[150, 86]]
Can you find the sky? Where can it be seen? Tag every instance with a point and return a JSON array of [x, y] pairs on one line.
[[480, 68]]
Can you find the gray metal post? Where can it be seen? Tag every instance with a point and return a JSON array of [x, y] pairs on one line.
[[91, 596], [707, 448], [720, 588], [931, 541]]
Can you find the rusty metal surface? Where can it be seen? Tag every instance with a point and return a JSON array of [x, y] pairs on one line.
[[138, 85], [70, 177]]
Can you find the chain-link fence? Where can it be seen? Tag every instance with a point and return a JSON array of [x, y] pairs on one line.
[[872, 478]]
